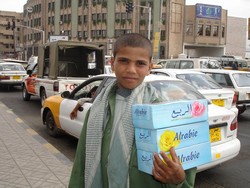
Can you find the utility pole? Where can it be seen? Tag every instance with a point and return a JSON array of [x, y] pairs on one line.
[[129, 8]]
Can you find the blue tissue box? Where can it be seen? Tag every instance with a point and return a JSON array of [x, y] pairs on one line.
[[188, 135], [190, 157], [163, 115]]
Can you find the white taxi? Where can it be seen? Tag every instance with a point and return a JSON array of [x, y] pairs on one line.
[[225, 145], [237, 81], [205, 85]]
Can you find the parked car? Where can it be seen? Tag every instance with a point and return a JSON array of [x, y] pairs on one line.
[[190, 63], [238, 81], [205, 85], [11, 74], [56, 110]]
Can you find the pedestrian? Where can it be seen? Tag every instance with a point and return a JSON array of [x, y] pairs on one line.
[[106, 153], [81, 101]]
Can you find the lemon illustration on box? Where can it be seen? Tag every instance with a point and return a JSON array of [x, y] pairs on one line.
[[182, 125], [167, 140]]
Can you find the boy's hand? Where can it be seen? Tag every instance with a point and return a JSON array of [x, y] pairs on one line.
[[169, 172]]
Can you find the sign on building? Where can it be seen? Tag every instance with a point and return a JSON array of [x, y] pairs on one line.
[[208, 11], [53, 38]]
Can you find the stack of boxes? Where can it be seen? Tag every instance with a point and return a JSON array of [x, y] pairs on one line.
[[182, 124]]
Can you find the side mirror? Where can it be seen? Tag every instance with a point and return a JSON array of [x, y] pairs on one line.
[[29, 72], [65, 94]]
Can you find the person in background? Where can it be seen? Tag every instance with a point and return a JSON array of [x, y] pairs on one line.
[[81, 101], [106, 154]]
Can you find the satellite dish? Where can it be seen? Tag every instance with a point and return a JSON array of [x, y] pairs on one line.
[[29, 9]]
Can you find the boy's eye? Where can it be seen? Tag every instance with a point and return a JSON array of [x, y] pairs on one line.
[[141, 63]]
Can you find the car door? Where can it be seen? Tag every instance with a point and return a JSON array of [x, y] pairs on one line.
[[74, 127], [31, 79]]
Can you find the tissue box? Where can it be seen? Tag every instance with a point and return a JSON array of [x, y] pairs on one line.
[[187, 135], [163, 115], [190, 157]]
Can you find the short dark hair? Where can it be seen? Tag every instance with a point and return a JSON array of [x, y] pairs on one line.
[[133, 40]]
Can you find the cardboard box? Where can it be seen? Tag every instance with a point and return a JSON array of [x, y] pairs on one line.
[[190, 157], [187, 135], [163, 115]]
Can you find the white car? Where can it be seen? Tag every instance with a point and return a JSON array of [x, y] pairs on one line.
[[237, 81], [205, 85], [11, 74], [56, 111]]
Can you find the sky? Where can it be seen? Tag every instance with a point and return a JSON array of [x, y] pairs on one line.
[[236, 8]]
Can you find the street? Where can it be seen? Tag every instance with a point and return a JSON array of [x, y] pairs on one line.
[[234, 173]]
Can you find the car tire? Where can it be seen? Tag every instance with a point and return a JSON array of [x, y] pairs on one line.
[[26, 95], [43, 96], [241, 111], [51, 125]]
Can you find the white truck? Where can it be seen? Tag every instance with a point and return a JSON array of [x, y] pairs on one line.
[[61, 66]]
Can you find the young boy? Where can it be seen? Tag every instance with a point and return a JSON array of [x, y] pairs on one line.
[[106, 152]]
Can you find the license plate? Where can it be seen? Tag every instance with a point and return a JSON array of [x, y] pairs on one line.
[[218, 102], [16, 77], [215, 135]]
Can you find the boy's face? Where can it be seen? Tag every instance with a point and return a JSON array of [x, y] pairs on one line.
[[131, 65]]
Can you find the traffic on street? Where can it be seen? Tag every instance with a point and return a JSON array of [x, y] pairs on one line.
[[233, 173]]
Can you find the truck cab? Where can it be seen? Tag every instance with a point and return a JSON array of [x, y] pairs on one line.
[[62, 65]]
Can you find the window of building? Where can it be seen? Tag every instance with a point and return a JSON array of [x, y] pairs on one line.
[[200, 29], [85, 34], [79, 34], [223, 31], [85, 18], [189, 29], [215, 31], [79, 19], [79, 3], [163, 34], [208, 30]]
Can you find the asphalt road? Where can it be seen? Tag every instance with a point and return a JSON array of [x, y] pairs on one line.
[[232, 174]]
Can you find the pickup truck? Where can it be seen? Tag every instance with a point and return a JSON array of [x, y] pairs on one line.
[[61, 66]]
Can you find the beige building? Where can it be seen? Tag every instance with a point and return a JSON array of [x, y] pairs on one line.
[[205, 30], [102, 21], [197, 30], [10, 34]]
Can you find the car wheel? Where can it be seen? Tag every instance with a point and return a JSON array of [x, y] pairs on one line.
[[241, 111], [51, 125], [26, 95], [43, 96]]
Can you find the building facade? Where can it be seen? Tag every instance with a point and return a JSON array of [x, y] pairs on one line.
[[10, 34], [174, 29]]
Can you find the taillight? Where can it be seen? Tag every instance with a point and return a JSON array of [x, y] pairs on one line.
[[4, 77], [235, 99], [234, 124], [56, 86]]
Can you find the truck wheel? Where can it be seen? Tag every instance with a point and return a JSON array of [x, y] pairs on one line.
[[26, 95], [43, 96], [51, 125]]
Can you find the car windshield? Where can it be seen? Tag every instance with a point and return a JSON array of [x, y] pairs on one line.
[[242, 79], [11, 67], [176, 90], [200, 81]]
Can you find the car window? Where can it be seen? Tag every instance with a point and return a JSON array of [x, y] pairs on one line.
[[223, 79], [242, 80], [186, 65], [84, 92], [11, 67], [200, 81], [176, 90]]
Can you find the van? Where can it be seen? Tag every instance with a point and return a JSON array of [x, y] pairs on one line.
[[190, 63], [233, 63]]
